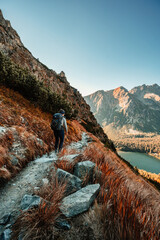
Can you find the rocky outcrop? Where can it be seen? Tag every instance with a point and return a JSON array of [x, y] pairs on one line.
[[80, 201], [29, 201], [137, 109], [63, 224], [5, 219], [74, 204], [73, 183], [84, 170], [34, 176], [11, 46], [69, 158], [6, 235]]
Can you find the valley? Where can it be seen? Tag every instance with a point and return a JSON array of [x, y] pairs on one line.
[[135, 141], [130, 118]]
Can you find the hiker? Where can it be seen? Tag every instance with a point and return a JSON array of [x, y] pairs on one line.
[[58, 125]]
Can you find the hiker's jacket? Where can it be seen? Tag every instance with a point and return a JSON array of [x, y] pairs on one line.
[[64, 124]]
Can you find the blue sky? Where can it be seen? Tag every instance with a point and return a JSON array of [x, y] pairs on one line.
[[99, 44]]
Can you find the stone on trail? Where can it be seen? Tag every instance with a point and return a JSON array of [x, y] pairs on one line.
[[73, 183], [14, 161], [84, 170], [69, 158], [1, 229], [6, 235], [29, 201], [80, 201], [45, 181], [5, 219], [62, 224]]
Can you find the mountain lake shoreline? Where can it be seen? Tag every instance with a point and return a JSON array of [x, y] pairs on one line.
[[141, 160]]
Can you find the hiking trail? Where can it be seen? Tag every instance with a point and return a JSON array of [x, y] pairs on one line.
[[30, 179]]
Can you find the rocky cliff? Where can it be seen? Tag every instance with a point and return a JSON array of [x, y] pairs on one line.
[[137, 109], [11, 46]]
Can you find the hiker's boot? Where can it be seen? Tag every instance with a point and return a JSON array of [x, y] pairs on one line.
[[56, 151]]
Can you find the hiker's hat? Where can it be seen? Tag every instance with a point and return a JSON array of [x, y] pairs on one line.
[[62, 111]]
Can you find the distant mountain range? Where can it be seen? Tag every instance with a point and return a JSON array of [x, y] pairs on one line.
[[134, 110]]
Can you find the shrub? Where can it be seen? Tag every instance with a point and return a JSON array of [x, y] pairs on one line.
[[19, 79]]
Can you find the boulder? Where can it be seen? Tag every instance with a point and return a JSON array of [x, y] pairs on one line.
[[14, 161], [29, 201], [36, 188], [20, 237], [62, 74], [69, 158], [80, 201], [6, 235], [1, 229], [73, 182], [45, 181], [84, 170], [3, 130], [62, 224], [8, 226], [5, 219]]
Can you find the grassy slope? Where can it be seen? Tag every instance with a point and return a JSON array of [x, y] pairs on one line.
[[128, 206], [27, 132]]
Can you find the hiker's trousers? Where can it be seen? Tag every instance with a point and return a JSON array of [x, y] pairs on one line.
[[59, 139]]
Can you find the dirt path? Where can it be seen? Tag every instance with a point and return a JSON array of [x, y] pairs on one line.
[[29, 178], [23, 183]]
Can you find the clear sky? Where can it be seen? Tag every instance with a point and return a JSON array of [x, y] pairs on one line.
[[99, 44]]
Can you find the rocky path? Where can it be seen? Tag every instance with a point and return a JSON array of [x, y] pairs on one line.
[[24, 182], [29, 179]]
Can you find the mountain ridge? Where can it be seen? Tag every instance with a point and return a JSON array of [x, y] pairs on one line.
[[138, 108]]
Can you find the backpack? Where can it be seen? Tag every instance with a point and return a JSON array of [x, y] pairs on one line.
[[56, 123]]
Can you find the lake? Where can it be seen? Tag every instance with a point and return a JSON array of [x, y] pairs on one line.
[[142, 161]]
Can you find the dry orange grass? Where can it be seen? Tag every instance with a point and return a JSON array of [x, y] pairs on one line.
[[4, 174], [28, 125], [38, 223], [75, 130], [66, 165], [5, 165], [128, 206], [17, 111]]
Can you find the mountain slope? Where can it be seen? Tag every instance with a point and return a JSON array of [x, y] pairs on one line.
[[137, 109], [127, 207], [149, 95], [12, 47], [25, 132]]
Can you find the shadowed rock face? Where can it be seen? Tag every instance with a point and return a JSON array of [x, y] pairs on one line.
[[11, 46], [73, 183], [29, 201], [84, 170]]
